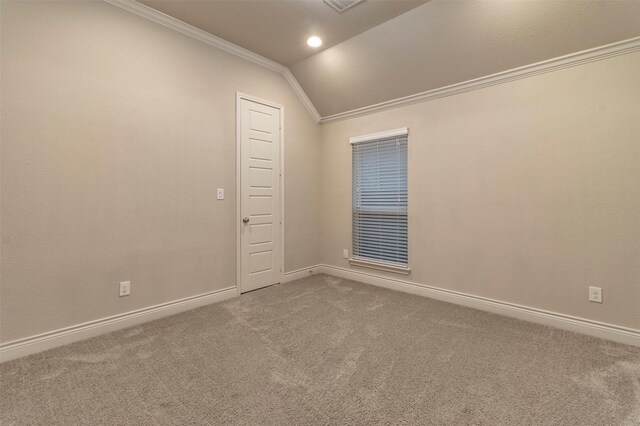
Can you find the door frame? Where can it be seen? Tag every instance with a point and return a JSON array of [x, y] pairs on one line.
[[239, 97]]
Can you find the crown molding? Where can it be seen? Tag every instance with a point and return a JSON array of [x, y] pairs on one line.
[[302, 95], [555, 64], [205, 37], [566, 61]]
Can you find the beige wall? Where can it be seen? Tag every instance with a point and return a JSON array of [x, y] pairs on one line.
[[527, 192], [116, 133]]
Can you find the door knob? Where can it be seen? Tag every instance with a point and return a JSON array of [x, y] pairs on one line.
[[245, 220]]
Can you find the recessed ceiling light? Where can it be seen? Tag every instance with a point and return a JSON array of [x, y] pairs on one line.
[[314, 41]]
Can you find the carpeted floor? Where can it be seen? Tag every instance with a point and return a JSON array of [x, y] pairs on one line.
[[323, 350]]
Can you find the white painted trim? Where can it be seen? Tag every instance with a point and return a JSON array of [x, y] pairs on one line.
[[191, 31], [41, 342], [205, 37], [403, 131], [301, 273], [602, 330], [239, 96], [238, 212], [380, 266], [302, 95], [282, 195], [566, 61]]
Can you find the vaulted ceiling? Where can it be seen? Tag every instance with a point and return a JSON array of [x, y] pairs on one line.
[[279, 29], [381, 50]]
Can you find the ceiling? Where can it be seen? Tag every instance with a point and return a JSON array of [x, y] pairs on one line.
[[279, 29], [381, 50], [444, 42]]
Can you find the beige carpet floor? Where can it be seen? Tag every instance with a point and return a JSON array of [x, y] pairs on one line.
[[327, 351]]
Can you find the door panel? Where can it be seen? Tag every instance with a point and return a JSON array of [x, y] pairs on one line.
[[261, 262], [261, 205], [260, 251], [261, 178], [261, 234], [261, 150]]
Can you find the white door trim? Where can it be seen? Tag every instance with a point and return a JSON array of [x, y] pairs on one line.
[[239, 97]]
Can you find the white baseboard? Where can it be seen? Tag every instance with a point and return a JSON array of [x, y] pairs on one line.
[[34, 344], [611, 332], [300, 273], [41, 342]]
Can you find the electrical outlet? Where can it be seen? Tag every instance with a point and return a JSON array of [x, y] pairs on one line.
[[345, 253], [595, 294], [125, 288]]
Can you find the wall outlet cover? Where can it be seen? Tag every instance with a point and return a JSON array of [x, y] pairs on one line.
[[125, 288], [595, 294]]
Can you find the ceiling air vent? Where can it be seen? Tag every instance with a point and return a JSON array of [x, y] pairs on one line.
[[342, 5]]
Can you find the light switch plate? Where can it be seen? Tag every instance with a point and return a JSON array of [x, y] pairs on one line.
[[220, 193]]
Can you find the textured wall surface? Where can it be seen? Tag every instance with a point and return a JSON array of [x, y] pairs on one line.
[[116, 133], [526, 192], [445, 42]]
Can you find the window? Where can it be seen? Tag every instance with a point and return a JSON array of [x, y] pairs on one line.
[[380, 200]]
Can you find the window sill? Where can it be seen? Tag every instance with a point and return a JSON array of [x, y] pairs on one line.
[[380, 266]]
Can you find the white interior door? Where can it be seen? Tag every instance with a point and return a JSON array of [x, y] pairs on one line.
[[260, 215]]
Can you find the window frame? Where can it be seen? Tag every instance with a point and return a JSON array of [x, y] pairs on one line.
[[363, 261]]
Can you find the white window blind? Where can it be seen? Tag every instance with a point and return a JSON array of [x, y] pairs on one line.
[[380, 198]]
